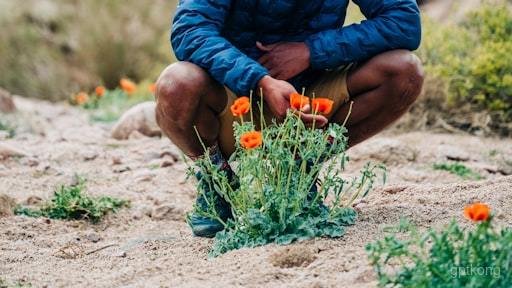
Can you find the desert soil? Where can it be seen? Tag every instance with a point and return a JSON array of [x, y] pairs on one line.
[[150, 245]]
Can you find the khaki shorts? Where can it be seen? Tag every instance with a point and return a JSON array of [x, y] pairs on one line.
[[332, 85]]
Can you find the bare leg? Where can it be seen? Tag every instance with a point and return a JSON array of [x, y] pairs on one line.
[[382, 89], [188, 97]]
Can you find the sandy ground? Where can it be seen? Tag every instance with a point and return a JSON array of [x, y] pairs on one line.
[[149, 244]]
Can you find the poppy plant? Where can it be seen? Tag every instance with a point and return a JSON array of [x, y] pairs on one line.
[[298, 101], [322, 105], [251, 140], [241, 106], [100, 91], [274, 197], [152, 88], [477, 212], [81, 98], [128, 86]]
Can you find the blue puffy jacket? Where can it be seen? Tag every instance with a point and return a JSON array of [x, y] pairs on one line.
[[221, 35]]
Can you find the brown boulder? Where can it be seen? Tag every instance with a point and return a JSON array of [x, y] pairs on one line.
[[139, 120]]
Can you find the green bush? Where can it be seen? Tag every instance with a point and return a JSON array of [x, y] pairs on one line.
[[458, 169], [70, 203], [449, 258], [273, 200], [473, 59]]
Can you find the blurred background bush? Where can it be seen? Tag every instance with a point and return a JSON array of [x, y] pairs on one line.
[[51, 49], [469, 68]]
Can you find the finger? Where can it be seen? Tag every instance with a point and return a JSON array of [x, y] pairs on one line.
[[309, 119], [266, 48], [263, 47], [306, 109]]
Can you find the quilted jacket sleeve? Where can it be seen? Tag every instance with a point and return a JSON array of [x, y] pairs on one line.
[[391, 24], [196, 37]]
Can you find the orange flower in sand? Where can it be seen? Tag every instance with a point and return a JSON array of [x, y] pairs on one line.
[[251, 140], [128, 86], [477, 212], [322, 105], [241, 106], [81, 98], [298, 101], [152, 88], [100, 91]]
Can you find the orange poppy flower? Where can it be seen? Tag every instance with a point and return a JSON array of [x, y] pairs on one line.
[[322, 105], [128, 86], [477, 212], [81, 98], [298, 101], [251, 140], [152, 88], [100, 91], [241, 106]]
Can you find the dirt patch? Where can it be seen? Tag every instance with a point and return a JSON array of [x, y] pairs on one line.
[[150, 245], [292, 256]]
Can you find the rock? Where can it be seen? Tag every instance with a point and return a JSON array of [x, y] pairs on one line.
[[140, 118], [93, 237], [136, 135], [505, 169], [152, 155], [394, 189], [167, 163], [143, 211], [121, 169], [33, 200], [31, 162], [175, 157], [43, 167], [144, 175], [6, 102], [4, 135], [120, 254], [90, 155], [7, 205], [7, 150], [116, 160], [167, 211], [453, 153]]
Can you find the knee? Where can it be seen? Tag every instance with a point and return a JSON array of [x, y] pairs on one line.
[[179, 90], [406, 73]]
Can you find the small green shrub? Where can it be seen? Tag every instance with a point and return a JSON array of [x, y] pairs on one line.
[[449, 258], [273, 202], [111, 104], [70, 203], [458, 169], [7, 127], [473, 60]]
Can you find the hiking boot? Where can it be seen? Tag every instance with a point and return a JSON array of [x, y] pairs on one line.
[[203, 226]]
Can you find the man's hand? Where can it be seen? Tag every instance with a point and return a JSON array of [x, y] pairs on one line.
[[284, 60], [277, 95]]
